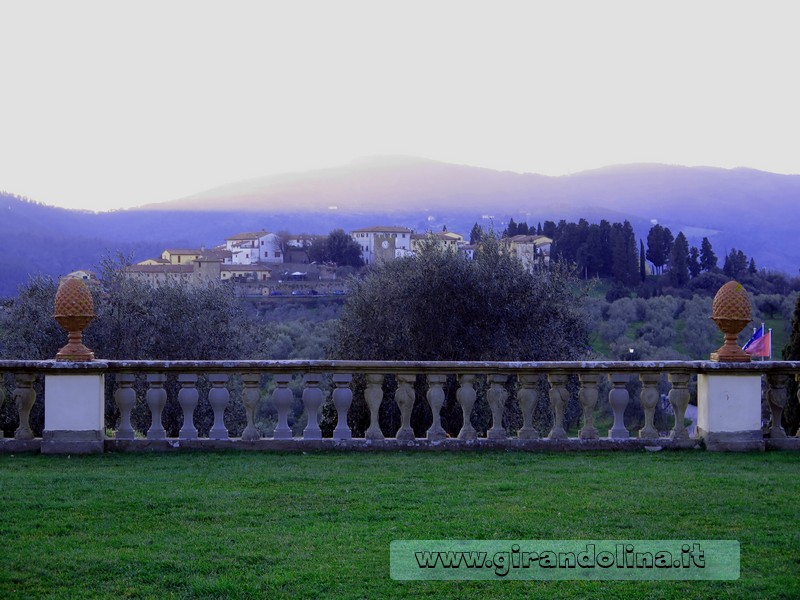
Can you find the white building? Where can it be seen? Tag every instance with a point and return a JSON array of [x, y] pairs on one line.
[[382, 243], [254, 247], [531, 250]]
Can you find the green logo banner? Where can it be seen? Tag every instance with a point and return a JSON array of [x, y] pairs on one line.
[[458, 560]]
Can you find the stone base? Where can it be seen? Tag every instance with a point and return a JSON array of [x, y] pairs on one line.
[[392, 444], [72, 442], [785, 443], [732, 441]]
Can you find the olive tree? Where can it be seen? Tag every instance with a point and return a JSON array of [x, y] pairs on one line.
[[438, 305], [136, 321]]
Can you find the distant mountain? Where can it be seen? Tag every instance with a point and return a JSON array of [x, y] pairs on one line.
[[754, 211]]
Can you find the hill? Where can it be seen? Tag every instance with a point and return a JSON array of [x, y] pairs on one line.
[[751, 210]]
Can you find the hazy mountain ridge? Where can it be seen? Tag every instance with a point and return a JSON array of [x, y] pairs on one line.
[[748, 209]]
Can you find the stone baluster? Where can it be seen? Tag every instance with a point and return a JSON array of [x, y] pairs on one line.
[[679, 399], [342, 399], [188, 397], [435, 398], [497, 396], [125, 397], [588, 400], [250, 397], [312, 400], [618, 399], [777, 395], [218, 398], [404, 396], [24, 398], [373, 396], [528, 397], [466, 396], [282, 398], [156, 400], [559, 396], [649, 400]]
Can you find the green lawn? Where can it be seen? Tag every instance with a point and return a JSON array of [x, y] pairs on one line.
[[269, 525]]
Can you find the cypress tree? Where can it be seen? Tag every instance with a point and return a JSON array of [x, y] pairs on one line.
[[708, 260], [642, 259], [791, 414]]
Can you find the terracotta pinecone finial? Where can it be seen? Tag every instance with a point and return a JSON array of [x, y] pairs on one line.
[[74, 310], [731, 312]]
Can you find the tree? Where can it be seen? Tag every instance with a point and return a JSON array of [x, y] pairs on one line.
[[642, 262], [624, 255], [511, 230], [138, 322], [735, 264], [337, 248], [659, 246], [791, 416], [708, 260], [438, 305], [751, 268], [476, 234], [694, 262], [679, 261]]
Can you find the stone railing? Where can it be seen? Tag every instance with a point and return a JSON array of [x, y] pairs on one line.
[[729, 403]]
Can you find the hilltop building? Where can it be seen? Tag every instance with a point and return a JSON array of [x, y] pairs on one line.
[[531, 250], [254, 247], [445, 239], [382, 243]]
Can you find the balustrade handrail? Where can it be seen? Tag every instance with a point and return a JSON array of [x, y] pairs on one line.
[[381, 366]]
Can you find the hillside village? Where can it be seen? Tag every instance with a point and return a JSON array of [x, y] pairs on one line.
[[266, 263]]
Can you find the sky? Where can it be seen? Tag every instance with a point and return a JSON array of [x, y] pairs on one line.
[[113, 104]]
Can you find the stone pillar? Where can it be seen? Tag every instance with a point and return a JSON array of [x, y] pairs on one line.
[[74, 414], [435, 398], [528, 397], [559, 396], [777, 395], [373, 396], [466, 398], [497, 396], [312, 400], [588, 398], [728, 410], [24, 398], [218, 398], [342, 399], [125, 397], [618, 398], [404, 397], [649, 401], [679, 399], [188, 398], [250, 397], [156, 400], [282, 398]]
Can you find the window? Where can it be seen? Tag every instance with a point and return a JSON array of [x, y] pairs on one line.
[[277, 255]]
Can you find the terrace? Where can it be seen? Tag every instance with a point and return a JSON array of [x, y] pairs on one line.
[[78, 391]]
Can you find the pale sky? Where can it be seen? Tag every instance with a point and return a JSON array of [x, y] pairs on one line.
[[110, 104]]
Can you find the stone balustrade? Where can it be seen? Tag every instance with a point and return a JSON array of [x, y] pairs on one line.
[[729, 399]]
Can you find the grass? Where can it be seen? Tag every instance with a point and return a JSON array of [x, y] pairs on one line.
[[256, 525]]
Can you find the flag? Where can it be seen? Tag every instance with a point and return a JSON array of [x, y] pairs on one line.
[[760, 344]]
